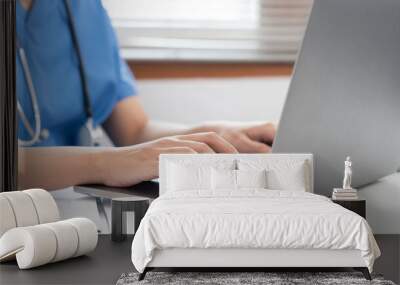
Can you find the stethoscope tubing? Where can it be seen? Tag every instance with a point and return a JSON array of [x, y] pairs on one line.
[[33, 132]]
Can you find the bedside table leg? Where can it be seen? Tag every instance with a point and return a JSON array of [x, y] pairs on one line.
[[116, 221]]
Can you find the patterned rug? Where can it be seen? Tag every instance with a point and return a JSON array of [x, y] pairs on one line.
[[268, 278]]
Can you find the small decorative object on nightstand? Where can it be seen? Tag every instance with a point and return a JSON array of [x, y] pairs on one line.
[[347, 196], [357, 206], [346, 192]]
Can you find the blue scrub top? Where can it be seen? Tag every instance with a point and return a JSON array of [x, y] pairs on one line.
[[44, 34]]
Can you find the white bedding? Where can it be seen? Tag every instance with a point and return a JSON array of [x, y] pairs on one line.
[[250, 218]]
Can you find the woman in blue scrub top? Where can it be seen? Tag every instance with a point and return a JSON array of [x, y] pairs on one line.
[[44, 33]]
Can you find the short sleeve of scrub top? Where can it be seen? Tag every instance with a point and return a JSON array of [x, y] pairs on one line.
[[44, 34]]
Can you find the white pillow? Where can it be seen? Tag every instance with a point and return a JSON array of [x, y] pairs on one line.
[[223, 179], [183, 177], [251, 178], [282, 174], [193, 174], [293, 179]]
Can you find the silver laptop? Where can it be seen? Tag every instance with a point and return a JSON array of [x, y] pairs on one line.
[[344, 98]]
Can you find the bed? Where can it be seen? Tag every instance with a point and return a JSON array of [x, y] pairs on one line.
[[247, 211]]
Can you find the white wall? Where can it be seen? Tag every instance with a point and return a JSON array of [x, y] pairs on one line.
[[196, 100], [383, 204]]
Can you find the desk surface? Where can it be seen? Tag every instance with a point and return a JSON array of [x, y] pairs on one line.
[[111, 259], [148, 189]]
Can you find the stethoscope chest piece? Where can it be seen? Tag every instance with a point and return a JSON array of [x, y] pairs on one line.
[[89, 134]]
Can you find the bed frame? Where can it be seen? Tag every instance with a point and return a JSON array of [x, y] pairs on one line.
[[260, 259], [245, 259]]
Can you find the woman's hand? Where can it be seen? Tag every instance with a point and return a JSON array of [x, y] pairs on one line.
[[126, 166], [245, 137]]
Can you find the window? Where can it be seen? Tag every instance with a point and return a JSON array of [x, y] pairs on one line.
[[208, 30]]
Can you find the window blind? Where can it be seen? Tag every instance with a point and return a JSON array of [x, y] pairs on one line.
[[208, 30], [8, 126]]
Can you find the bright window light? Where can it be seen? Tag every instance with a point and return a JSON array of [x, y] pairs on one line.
[[207, 30]]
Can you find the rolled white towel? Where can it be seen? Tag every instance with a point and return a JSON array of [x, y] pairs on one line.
[[67, 239], [46, 207], [7, 218], [87, 235], [26, 208], [40, 244], [32, 246], [23, 208]]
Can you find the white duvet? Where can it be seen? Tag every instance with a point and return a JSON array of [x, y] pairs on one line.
[[250, 219]]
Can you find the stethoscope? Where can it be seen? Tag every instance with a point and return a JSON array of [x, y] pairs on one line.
[[89, 135]]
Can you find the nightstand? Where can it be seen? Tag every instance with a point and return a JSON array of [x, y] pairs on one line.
[[357, 206], [138, 205]]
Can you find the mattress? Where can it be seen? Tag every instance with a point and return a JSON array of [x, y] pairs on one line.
[[250, 219]]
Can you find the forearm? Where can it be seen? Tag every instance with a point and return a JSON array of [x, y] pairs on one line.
[[156, 129], [128, 124], [58, 167]]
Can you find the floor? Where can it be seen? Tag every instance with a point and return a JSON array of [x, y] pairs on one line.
[[389, 262], [110, 260]]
